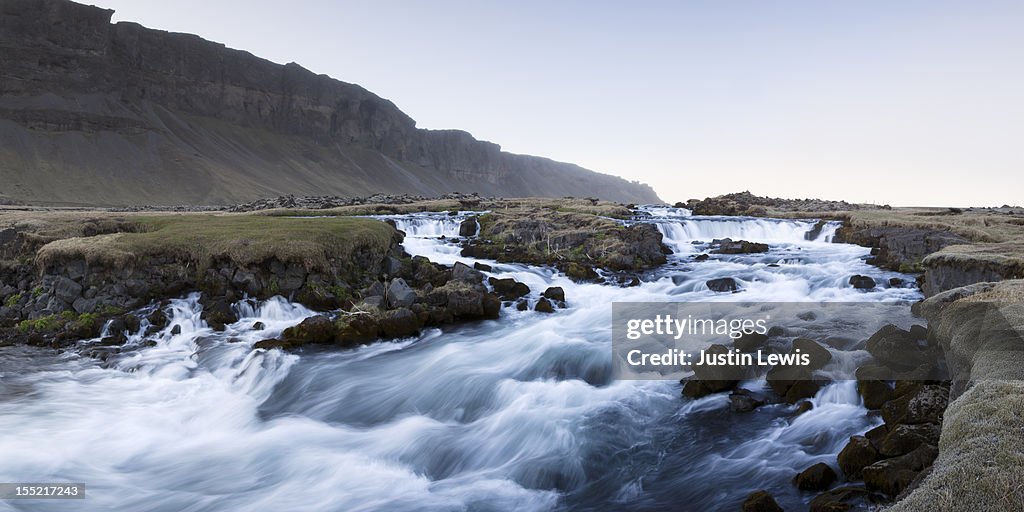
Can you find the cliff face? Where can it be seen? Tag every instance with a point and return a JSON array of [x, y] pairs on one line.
[[101, 113]]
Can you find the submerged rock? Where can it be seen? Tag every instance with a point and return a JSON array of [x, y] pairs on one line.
[[862, 282]]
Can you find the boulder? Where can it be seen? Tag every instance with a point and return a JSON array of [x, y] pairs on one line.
[[750, 341], [465, 273], [819, 355], [544, 306], [927, 405], [218, 314], [897, 348], [722, 284], [727, 246], [708, 379], [468, 227], [400, 294], [702, 257], [903, 439], [857, 455], [843, 499], [66, 290], [877, 435], [508, 288], [815, 478], [554, 293], [874, 392], [356, 328], [760, 501], [892, 476], [483, 267], [743, 400], [862, 282], [399, 323], [315, 329]]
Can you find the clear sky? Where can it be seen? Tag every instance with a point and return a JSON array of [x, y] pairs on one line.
[[900, 102]]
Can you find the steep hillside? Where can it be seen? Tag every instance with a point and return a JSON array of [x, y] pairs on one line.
[[110, 114]]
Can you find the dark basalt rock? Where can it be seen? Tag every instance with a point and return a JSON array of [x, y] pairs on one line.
[[468, 227], [760, 501], [722, 284], [554, 293], [544, 306], [862, 282], [508, 288], [315, 329], [892, 476], [857, 455], [727, 246], [815, 478]]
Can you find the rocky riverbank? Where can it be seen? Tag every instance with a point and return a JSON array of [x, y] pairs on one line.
[[957, 436]]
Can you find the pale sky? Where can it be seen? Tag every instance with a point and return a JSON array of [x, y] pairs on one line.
[[899, 102]]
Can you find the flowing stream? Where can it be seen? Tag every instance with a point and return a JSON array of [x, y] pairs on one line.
[[518, 413]]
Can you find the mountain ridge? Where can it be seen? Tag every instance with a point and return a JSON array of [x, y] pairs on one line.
[[115, 114]]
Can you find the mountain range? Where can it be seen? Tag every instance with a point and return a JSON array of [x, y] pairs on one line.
[[101, 113]]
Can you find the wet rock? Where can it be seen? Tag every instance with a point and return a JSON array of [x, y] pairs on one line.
[[468, 227], [895, 282], [554, 293], [897, 349], [722, 284], [877, 435], [465, 273], [874, 392], [258, 326], [315, 329], [862, 282], [709, 379], [399, 323], [176, 330], [743, 400], [819, 355], [702, 257], [927, 405], [218, 314], [356, 328], [544, 306], [903, 439], [760, 501], [400, 294], [491, 305], [508, 289], [750, 341], [815, 478], [892, 476], [843, 499], [483, 267], [522, 305], [804, 388], [581, 273], [918, 332], [728, 246], [803, 406], [857, 455]]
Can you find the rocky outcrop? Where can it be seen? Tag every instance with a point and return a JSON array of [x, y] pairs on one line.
[[123, 114], [745, 203], [962, 265]]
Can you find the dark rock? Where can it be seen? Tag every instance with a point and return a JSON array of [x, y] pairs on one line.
[[897, 349], [877, 435], [399, 323], [176, 330], [491, 306], [66, 290], [508, 289], [483, 267], [554, 293], [858, 454], [815, 478], [356, 328], [874, 392], [544, 306], [819, 355], [315, 329], [892, 476], [803, 406], [258, 326], [400, 294], [581, 273], [927, 405], [709, 379], [775, 331], [750, 341], [903, 439], [468, 227], [843, 499], [465, 273], [722, 284], [742, 400], [760, 501], [862, 282], [218, 314], [895, 282], [740, 247], [157, 319], [702, 257], [803, 388], [918, 332], [522, 305]]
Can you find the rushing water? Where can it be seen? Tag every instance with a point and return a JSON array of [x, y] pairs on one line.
[[518, 413]]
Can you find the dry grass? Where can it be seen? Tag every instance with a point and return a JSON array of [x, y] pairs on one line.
[[575, 205], [974, 225], [242, 239]]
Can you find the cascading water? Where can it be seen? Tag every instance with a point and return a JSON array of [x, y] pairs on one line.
[[519, 413]]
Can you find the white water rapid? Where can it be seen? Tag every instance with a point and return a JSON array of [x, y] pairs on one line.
[[518, 413]]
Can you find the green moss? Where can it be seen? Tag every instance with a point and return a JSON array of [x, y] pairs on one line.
[[37, 291], [242, 239], [42, 324], [13, 300], [108, 310]]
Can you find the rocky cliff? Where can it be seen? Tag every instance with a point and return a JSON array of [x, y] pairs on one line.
[[99, 113]]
